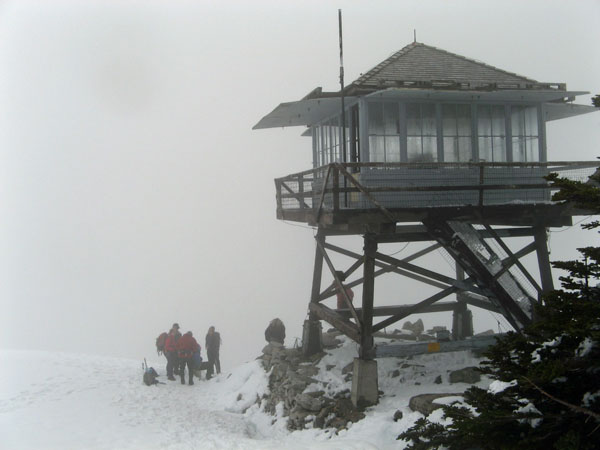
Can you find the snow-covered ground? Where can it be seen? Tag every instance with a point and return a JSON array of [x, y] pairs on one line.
[[71, 401]]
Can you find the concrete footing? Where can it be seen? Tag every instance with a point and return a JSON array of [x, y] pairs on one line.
[[365, 386], [312, 338]]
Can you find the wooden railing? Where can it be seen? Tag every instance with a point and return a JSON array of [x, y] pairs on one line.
[[384, 186]]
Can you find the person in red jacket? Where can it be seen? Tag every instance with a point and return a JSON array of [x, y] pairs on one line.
[[171, 351], [186, 346]]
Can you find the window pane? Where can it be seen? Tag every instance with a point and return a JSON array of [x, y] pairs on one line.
[[413, 120], [484, 121], [519, 153], [464, 149], [499, 149], [451, 149], [485, 149], [531, 121], [429, 149], [375, 118], [391, 117], [498, 123], [463, 118], [533, 149], [413, 148], [428, 120], [392, 149], [376, 148], [517, 120], [449, 124]]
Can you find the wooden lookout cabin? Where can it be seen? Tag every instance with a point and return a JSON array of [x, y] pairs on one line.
[[429, 146]]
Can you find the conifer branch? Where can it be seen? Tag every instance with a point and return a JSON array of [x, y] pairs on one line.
[[579, 409]]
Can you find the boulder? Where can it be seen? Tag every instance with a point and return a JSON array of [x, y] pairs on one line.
[[468, 375], [309, 403], [423, 403]]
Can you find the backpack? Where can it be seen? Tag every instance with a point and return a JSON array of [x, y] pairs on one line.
[[160, 342], [150, 376]]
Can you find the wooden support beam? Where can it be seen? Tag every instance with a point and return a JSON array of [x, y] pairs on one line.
[[418, 233], [318, 268], [331, 289], [335, 320], [367, 344], [383, 311], [389, 268], [463, 285], [338, 283], [414, 308]]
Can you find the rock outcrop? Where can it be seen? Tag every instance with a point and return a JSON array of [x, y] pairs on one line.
[[290, 374]]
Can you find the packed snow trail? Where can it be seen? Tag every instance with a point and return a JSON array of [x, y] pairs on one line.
[[66, 401]]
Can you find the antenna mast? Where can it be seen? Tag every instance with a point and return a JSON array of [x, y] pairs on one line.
[[342, 88]]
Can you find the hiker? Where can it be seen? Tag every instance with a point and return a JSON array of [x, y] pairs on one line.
[[213, 343], [186, 346], [171, 351], [275, 332], [341, 302]]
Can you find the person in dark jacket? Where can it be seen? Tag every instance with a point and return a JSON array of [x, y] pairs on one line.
[[186, 346], [213, 344], [171, 351], [275, 331]]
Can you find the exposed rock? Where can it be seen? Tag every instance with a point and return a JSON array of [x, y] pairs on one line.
[[397, 415], [416, 328], [468, 375], [395, 373], [348, 368], [424, 403], [330, 341], [309, 403], [438, 379], [328, 367]]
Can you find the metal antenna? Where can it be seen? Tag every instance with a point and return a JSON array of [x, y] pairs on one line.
[[342, 87], [414, 35]]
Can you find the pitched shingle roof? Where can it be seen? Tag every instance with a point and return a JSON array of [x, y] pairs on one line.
[[420, 65]]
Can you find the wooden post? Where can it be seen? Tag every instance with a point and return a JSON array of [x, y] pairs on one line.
[[541, 245], [311, 336], [365, 385], [367, 350]]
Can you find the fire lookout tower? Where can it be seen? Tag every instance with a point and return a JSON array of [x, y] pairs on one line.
[[430, 147]]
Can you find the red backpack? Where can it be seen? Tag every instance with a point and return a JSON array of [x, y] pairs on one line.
[[160, 342]]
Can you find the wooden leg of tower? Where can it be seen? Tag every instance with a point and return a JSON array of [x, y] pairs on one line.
[[462, 318], [365, 387], [543, 255], [312, 341]]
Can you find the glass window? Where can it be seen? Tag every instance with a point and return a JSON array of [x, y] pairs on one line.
[[421, 132], [491, 127], [384, 133], [456, 125], [525, 138]]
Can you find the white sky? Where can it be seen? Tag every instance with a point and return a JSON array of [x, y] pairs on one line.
[[133, 191]]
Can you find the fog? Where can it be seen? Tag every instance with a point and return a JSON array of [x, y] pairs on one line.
[[134, 193]]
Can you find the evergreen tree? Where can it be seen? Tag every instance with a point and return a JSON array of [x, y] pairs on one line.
[[546, 389]]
